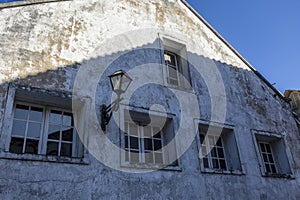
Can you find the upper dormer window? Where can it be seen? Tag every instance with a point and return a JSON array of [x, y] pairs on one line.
[[177, 67], [171, 61]]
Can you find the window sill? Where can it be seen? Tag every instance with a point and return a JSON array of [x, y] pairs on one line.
[[182, 89], [287, 176], [44, 158], [144, 166], [224, 172]]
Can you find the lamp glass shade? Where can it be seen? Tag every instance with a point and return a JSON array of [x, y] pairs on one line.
[[120, 81]]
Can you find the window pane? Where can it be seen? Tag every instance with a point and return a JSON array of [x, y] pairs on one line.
[[134, 156], [52, 148], [126, 155], [265, 157], [205, 162], [36, 114], [167, 58], [67, 119], [67, 134], [19, 128], [157, 145], [34, 130], [214, 152], [202, 136], [148, 144], [156, 133], [271, 160], [147, 131], [220, 153], [211, 140], [16, 145], [158, 158], [222, 164], [53, 132], [262, 146], [273, 168], [170, 58], [126, 128], [149, 157], [21, 112], [66, 149], [268, 148], [215, 163], [268, 169], [203, 151], [55, 117], [219, 142], [126, 141], [172, 73], [133, 129], [134, 144], [31, 146]]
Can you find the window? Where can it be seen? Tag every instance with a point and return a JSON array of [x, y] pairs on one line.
[[27, 129], [61, 133], [143, 140], [175, 60], [143, 144], [213, 154], [268, 157], [43, 130], [272, 153], [218, 150], [171, 61]]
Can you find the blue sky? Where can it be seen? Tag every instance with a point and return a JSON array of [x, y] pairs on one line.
[[266, 33], [5, 1]]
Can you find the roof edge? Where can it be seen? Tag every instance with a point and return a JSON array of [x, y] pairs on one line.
[[234, 51]]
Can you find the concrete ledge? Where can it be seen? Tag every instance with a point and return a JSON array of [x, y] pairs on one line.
[[44, 158]]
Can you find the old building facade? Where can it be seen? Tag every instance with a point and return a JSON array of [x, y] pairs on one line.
[[196, 122]]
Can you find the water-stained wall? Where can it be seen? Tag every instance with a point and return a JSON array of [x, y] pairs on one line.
[[45, 46]]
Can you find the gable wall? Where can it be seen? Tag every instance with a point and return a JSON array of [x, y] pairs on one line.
[[46, 45]]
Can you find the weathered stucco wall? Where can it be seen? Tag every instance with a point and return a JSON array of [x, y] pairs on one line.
[[45, 45], [70, 31]]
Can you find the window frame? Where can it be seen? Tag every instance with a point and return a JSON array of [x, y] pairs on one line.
[[209, 155], [272, 139], [262, 153], [43, 140], [228, 131], [176, 66], [30, 99], [141, 145], [27, 121], [177, 47], [156, 114]]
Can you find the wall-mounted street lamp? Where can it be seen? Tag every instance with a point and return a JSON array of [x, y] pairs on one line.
[[119, 82]]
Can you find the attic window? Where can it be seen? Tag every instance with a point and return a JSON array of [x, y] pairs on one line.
[[177, 69]]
